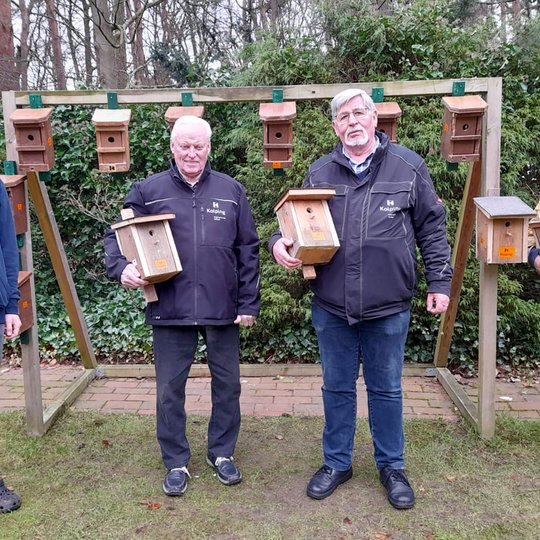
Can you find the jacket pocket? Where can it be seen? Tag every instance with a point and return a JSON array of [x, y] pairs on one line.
[[218, 222], [389, 204]]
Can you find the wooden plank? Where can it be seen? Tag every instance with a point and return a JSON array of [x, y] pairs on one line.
[[144, 371], [29, 345], [67, 397], [259, 93], [464, 234], [487, 350], [491, 150], [60, 264], [458, 395]]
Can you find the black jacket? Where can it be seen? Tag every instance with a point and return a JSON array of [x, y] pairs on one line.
[[379, 219], [217, 243]]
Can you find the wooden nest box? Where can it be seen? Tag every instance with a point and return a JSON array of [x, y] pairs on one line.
[[502, 229], [25, 302], [147, 242], [277, 133], [17, 197], [461, 137], [112, 139], [388, 113], [172, 114], [34, 142], [305, 218]]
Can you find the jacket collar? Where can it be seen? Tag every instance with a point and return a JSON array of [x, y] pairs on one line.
[[338, 156]]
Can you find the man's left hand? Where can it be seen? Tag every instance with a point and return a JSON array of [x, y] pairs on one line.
[[437, 302], [245, 320]]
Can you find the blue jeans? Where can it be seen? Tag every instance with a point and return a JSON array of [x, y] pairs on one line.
[[380, 343]]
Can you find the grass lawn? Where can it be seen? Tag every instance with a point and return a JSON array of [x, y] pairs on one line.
[[99, 476]]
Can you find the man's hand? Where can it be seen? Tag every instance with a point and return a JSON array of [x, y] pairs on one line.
[[281, 254], [245, 320], [12, 325], [131, 277], [437, 302]]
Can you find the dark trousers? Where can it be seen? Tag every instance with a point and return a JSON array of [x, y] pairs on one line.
[[174, 348]]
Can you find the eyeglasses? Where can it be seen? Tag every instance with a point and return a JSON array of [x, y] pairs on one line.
[[187, 147], [359, 114]]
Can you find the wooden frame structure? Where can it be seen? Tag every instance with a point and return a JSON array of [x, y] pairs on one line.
[[483, 179]]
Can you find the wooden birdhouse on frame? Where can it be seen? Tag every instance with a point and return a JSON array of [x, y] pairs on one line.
[[534, 225], [148, 242], [305, 218], [461, 137], [277, 133], [112, 139], [25, 301], [34, 142], [502, 229], [17, 197], [172, 114], [388, 113]]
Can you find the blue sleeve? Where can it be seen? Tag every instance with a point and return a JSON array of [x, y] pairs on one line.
[[533, 253]]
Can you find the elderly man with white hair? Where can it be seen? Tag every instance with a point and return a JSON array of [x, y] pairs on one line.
[[385, 206], [217, 290]]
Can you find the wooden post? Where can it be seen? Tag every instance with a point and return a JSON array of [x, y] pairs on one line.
[[487, 349], [464, 234], [30, 344], [48, 225]]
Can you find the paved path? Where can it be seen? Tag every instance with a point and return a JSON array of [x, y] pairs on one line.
[[261, 396]]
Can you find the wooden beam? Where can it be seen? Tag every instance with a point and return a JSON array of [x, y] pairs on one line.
[[458, 396], [67, 398], [145, 371], [464, 234], [29, 343], [487, 350], [491, 152], [48, 225], [249, 93]]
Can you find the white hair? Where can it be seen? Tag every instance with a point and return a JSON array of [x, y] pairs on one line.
[[346, 95], [190, 120]]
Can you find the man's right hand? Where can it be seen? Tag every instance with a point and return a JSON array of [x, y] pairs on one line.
[[131, 277], [280, 251]]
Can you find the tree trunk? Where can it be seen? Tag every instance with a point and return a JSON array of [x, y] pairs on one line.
[[140, 69], [58, 61], [9, 77], [109, 43], [22, 53]]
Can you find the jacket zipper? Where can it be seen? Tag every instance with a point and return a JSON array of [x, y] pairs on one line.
[[195, 250]]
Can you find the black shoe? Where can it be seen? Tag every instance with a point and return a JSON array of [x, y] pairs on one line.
[[324, 482], [227, 472], [175, 482], [9, 500], [398, 489]]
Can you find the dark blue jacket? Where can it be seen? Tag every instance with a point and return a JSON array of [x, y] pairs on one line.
[[217, 243], [380, 218], [9, 259]]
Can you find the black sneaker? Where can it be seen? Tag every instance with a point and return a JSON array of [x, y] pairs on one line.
[[9, 500], [399, 491], [175, 482], [227, 472]]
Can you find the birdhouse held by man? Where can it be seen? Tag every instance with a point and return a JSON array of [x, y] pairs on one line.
[[304, 217], [172, 114], [502, 229], [461, 137], [112, 139], [25, 302], [388, 113], [147, 241], [17, 197], [33, 136], [277, 133]]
